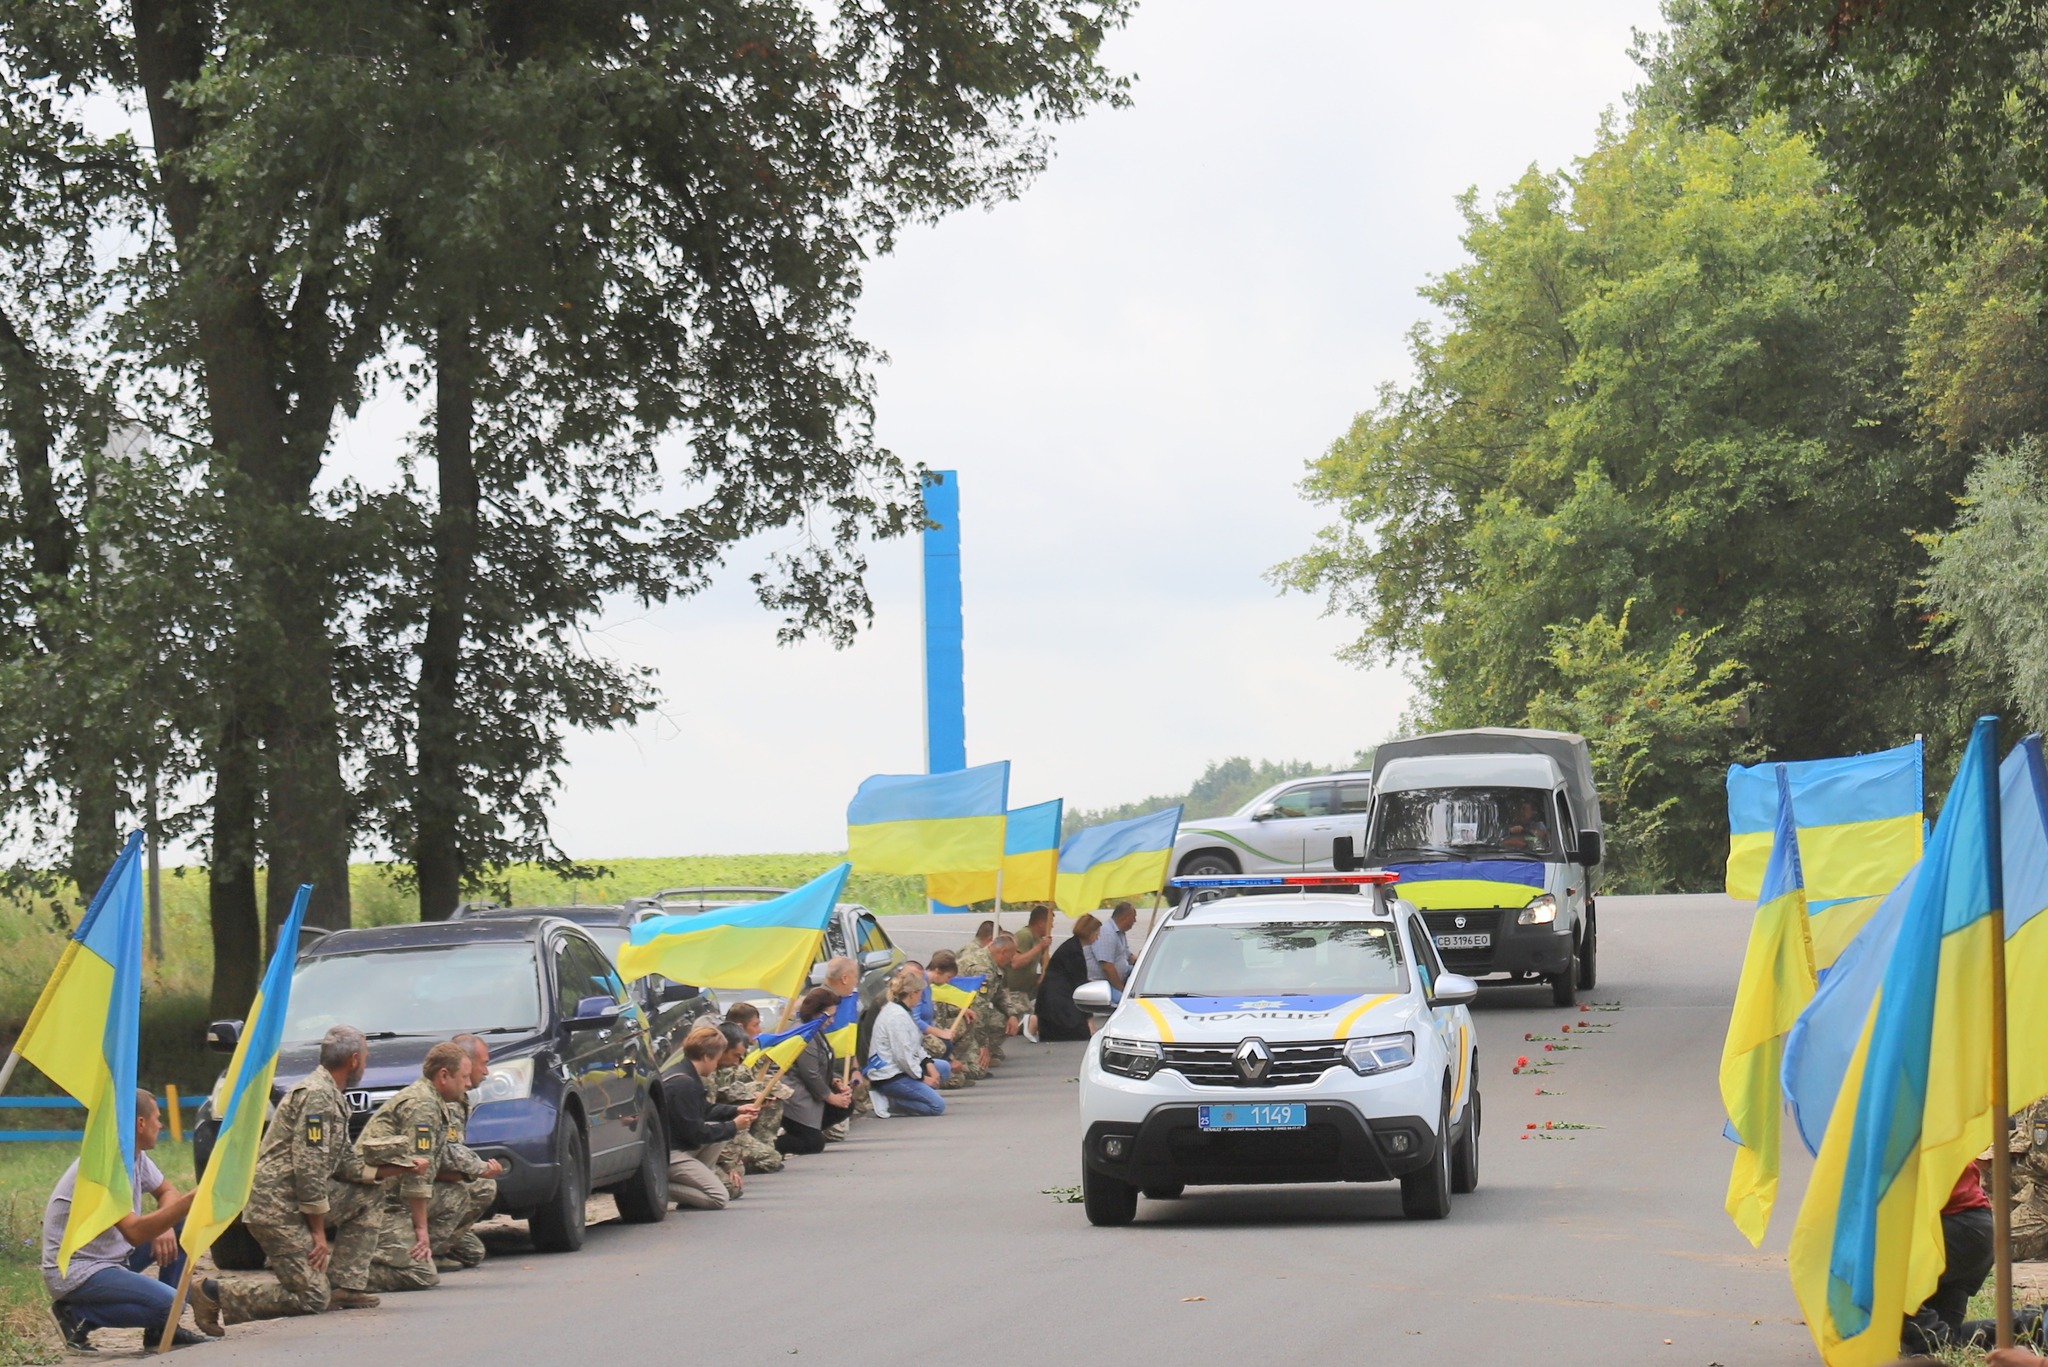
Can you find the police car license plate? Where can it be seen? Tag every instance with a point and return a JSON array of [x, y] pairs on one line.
[[1464, 942], [1264, 1117]]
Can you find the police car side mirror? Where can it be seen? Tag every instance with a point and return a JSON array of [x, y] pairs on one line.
[[1094, 999], [1588, 852], [1344, 854], [1453, 989], [223, 1036]]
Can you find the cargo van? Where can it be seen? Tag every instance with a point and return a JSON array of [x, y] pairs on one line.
[[1496, 834]]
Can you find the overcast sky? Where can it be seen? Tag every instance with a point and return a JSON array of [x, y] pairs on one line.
[[1128, 367]]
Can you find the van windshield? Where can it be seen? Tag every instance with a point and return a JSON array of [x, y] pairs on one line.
[[1295, 959], [1464, 823], [432, 990]]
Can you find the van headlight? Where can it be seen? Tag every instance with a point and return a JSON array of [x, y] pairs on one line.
[[511, 1080], [1138, 1058], [1541, 911], [1380, 1053]]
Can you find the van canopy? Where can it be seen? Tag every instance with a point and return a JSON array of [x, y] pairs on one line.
[[1563, 748]]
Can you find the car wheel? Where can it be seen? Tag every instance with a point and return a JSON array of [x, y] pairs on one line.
[[1589, 973], [1171, 1191], [1465, 1160], [1426, 1195], [236, 1250], [1207, 864], [1108, 1200], [557, 1226], [1564, 988], [644, 1199]]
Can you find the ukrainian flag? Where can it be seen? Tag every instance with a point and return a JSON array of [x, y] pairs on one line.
[[2023, 809], [769, 945], [1117, 859], [843, 1031], [1777, 983], [83, 1035], [785, 1048], [1915, 1104], [960, 992], [1860, 830], [1031, 861], [224, 1187], [929, 823]]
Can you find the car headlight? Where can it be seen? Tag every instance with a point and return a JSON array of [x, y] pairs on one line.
[[1541, 911], [1139, 1058], [511, 1080], [1380, 1053]]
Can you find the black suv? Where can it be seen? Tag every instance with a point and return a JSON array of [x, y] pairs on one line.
[[573, 1099]]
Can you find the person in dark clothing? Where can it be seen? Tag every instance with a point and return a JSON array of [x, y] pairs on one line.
[[820, 1097], [697, 1129], [1058, 1017], [1966, 1232]]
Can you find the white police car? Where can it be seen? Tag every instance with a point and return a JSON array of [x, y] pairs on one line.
[[1305, 1036]]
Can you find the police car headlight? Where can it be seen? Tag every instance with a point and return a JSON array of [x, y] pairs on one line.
[[1541, 911], [1139, 1058], [1380, 1053], [511, 1080]]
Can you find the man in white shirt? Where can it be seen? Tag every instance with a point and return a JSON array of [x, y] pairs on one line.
[[1109, 958], [104, 1288]]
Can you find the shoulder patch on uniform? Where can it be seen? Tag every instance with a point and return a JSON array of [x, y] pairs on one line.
[[454, 1135], [316, 1127], [423, 1139]]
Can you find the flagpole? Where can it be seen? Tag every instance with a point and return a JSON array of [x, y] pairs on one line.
[[7, 1068], [2001, 1119], [178, 1303]]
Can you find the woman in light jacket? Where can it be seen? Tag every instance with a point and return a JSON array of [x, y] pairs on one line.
[[899, 1071], [818, 1098]]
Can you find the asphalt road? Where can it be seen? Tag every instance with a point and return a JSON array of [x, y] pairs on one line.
[[923, 1238]]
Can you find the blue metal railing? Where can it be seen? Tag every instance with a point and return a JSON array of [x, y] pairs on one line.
[[65, 1103]]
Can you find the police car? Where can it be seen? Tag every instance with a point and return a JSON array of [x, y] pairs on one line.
[[1285, 1028]]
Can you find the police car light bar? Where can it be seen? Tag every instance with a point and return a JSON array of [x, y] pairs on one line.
[[1285, 880]]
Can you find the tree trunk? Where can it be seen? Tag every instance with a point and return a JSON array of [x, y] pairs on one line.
[[231, 871], [438, 786]]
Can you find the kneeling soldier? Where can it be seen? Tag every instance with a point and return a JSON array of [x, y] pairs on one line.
[[314, 1203], [466, 1185], [416, 1118]]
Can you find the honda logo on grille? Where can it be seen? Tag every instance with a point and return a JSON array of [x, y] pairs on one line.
[[358, 1101], [1253, 1058]]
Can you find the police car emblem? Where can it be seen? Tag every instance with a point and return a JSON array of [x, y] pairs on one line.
[[1260, 1005], [1253, 1058]]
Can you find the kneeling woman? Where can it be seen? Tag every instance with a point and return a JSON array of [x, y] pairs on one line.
[[900, 1073], [820, 1099]]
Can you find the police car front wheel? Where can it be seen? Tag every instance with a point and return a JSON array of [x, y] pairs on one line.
[[1108, 1200], [1426, 1195]]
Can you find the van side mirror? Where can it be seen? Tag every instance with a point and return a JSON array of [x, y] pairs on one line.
[[223, 1036], [1589, 849], [1093, 998], [1344, 854]]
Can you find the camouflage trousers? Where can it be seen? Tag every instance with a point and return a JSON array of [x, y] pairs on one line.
[[2030, 1224], [455, 1207], [354, 1221], [392, 1267]]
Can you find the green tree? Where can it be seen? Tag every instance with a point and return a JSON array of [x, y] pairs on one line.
[[1656, 382]]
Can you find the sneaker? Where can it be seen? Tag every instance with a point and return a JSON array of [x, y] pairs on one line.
[[205, 1300], [72, 1330], [344, 1299], [881, 1104], [1030, 1030]]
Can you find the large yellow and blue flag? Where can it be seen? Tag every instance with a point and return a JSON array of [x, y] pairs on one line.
[[1860, 829], [224, 1187], [929, 823], [842, 1031], [1116, 859], [1031, 862], [769, 945], [83, 1034], [783, 1048], [1777, 982], [960, 991], [1915, 1104]]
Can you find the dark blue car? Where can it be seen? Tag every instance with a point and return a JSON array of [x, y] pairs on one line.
[[573, 1100]]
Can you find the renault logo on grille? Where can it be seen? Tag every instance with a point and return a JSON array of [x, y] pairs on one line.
[[1253, 1058]]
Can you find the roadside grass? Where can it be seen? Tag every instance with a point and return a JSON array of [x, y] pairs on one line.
[[27, 1173]]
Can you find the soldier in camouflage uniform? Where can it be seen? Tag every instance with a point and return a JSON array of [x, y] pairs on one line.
[[466, 1185], [948, 1036], [2030, 1182], [1010, 1007], [417, 1116], [986, 1046], [315, 1201], [735, 1084]]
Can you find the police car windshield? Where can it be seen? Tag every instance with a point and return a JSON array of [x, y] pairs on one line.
[[432, 990], [1299, 958], [1464, 823]]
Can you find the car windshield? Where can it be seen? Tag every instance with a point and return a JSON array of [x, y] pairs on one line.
[[431, 990], [1467, 823], [1296, 959]]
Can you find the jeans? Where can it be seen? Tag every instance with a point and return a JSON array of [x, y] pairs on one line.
[[1938, 1323], [908, 1096], [122, 1298]]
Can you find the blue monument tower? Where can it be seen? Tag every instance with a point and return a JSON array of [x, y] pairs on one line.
[[945, 667]]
